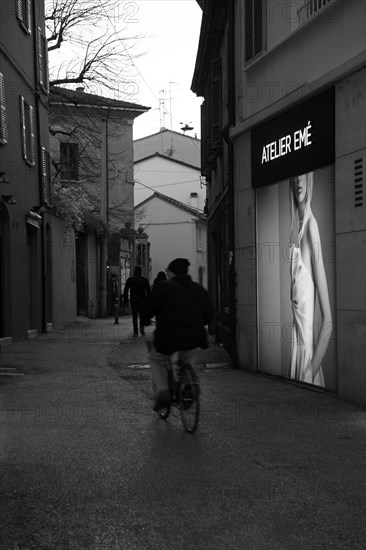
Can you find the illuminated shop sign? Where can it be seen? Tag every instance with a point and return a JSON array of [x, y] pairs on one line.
[[287, 144], [300, 140]]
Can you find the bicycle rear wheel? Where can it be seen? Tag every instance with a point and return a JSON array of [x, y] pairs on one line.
[[189, 398]]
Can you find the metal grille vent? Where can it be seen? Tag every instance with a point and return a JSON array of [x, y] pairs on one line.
[[358, 179]]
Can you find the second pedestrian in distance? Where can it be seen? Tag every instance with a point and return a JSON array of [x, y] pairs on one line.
[[136, 289]]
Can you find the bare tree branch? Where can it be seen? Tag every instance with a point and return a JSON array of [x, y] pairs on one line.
[[102, 60]]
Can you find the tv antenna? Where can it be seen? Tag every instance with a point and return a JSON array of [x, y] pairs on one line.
[[186, 127]]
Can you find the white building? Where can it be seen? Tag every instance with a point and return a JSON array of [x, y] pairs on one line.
[[169, 198], [170, 177], [175, 230]]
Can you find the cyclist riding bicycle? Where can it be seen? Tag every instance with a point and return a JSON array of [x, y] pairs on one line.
[[182, 309]]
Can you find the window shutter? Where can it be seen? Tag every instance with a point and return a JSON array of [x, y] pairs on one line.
[[216, 100], [358, 182], [3, 121], [23, 127], [205, 141], [32, 135], [40, 57], [258, 26], [75, 161], [254, 13], [45, 63], [29, 16], [20, 9], [249, 29], [44, 175], [69, 161], [49, 160]]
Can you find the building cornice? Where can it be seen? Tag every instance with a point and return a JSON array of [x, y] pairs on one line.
[[301, 94], [71, 99]]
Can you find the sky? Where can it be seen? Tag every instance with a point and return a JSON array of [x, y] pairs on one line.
[[159, 40], [162, 75]]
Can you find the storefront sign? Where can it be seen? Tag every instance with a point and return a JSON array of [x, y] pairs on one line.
[[300, 140]]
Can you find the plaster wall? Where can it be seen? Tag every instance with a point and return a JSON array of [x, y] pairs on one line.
[[172, 233], [170, 178], [245, 257], [351, 238], [184, 147], [64, 274], [295, 58]]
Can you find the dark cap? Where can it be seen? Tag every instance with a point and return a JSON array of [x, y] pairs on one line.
[[179, 266]]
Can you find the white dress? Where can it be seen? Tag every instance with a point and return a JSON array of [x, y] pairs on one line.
[[303, 304]]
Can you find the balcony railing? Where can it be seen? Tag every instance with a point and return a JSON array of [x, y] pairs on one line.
[[310, 9]]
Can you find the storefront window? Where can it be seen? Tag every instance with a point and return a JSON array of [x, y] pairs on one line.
[[296, 278]]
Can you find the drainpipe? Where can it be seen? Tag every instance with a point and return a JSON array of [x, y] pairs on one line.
[[40, 176], [231, 90], [104, 203]]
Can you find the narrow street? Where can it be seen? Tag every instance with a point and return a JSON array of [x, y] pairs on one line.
[[87, 465]]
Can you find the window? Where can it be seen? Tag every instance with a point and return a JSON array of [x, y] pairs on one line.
[[3, 121], [42, 60], [199, 238], [358, 182], [141, 255], [24, 14], [254, 28], [69, 161], [28, 132], [46, 176]]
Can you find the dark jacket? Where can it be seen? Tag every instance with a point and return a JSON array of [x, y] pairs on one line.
[[138, 287], [182, 308]]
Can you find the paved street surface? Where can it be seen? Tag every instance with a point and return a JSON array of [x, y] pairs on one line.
[[86, 464]]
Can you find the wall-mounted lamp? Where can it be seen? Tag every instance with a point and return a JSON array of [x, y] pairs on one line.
[[3, 178], [9, 199]]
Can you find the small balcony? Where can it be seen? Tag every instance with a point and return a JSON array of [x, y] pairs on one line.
[[312, 9]]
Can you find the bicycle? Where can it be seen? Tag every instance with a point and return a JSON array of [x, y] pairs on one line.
[[185, 396], [184, 392]]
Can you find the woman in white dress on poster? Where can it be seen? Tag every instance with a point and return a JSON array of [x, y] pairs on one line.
[[308, 280]]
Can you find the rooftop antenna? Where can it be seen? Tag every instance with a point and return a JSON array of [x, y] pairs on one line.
[[162, 117], [162, 109], [170, 151], [186, 127]]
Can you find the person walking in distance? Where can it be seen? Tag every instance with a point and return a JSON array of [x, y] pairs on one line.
[[136, 289], [161, 276], [182, 309]]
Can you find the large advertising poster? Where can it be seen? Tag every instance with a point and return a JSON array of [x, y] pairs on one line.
[[296, 278]]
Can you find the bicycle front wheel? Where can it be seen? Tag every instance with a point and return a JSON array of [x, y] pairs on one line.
[[189, 398]]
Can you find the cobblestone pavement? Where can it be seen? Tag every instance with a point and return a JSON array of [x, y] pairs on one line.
[[86, 464]]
